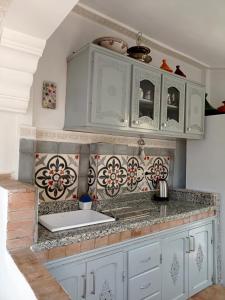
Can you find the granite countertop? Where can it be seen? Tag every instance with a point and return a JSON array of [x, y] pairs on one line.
[[182, 204]]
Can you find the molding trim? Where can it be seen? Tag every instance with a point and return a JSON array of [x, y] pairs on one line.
[[19, 56], [87, 12], [4, 5], [88, 138], [22, 42]]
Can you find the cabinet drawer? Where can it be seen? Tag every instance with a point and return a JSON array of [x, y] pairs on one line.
[[144, 285], [143, 259]]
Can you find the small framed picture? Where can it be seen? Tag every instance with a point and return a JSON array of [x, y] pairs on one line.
[[49, 95]]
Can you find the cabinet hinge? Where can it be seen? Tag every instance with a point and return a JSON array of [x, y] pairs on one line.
[[160, 258], [212, 240]]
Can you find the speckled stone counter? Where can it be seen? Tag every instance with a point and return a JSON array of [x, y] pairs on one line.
[[184, 206]]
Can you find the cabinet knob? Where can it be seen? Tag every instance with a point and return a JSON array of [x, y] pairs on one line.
[[124, 121], [189, 129], [136, 122], [164, 125]]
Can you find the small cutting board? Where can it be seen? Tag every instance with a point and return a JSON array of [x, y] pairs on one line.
[[73, 219]]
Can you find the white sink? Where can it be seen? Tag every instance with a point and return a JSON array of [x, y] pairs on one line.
[[73, 219]]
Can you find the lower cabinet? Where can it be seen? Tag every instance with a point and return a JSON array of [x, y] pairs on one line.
[[200, 258], [187, 263], [105, 278], [173, 266], [72, 277]]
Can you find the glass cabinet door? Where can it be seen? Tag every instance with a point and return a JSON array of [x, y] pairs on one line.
[[173, 104], [145, 98]]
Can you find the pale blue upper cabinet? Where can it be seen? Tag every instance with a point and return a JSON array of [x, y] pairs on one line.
[[173, 104], [200, 259], [106, 278], [104, 95], [174, 268], [195, 109], [110, 98], [145, 110]]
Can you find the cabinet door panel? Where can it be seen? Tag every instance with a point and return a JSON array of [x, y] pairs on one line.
[[173, 104], [72, 277], [200, 259], [174, 268], [110, 91], [105, 278], [145, 111], [195, 109]]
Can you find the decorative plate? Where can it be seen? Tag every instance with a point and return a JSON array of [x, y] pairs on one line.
[[112, 43]]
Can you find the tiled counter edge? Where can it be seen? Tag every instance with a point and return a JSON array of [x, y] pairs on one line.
[[21, 233]]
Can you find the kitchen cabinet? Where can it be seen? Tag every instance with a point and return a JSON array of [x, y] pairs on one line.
[[145, 110], [187, 263], [195, 108], [200, 258], [170, 265], [173, 104], [72, 277], [106, 278], [110, 92], [175, 262], [110, 96]]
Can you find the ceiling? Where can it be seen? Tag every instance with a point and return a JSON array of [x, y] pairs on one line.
[[193, 27]]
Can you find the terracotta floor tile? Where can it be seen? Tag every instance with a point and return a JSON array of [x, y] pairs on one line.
[[215, 292]]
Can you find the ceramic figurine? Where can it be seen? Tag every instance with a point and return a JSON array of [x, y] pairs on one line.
[[221, 109], [179, 72], [165, 66]]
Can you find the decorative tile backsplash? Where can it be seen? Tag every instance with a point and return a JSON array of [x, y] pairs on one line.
[[107, 175], [110, 176], [56, 176], [143, 176], [64, 171]]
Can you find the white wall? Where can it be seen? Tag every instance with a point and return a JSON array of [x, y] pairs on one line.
[[217, 87], [13, 284], [72, 34], [206, 165]]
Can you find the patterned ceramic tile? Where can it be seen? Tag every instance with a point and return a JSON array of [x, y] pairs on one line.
[[56, 176], [49, 95], [107, 175], [143, 176]]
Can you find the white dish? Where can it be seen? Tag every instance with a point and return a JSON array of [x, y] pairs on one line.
[[73, 219]]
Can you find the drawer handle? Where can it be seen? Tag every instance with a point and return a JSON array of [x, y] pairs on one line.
[[146, 260], [144, 287], [93, 283], [85, 286]]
